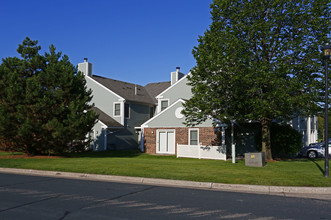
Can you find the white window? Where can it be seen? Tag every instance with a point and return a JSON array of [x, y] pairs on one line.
[[117, 109], [164, 104], [193, 136]]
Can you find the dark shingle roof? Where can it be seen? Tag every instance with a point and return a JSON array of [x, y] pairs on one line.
[[106, 119], [155, 89], [126, 90]]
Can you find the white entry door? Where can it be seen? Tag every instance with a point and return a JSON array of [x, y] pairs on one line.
[[165, 142]]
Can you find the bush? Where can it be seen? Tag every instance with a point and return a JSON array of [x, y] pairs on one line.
[[285, 141]]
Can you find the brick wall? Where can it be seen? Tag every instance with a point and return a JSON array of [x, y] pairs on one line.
[[150, 140], [206, 137]]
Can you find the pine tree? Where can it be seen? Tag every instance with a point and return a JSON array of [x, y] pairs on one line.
[[45, 104], [259, 60]]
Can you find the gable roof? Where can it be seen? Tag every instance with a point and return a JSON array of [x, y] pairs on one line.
[[181, 79], [106, 119], [162, 112], [126, 90], [155, 89]]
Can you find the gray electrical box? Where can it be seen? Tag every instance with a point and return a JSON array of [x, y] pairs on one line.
[[255, 159]]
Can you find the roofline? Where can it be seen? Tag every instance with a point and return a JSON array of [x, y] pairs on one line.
[[169, 107], [157, 83], [122, 127], [139, 102], [102, 124], [154, 97], [160, 95], [106, 126], [106, 88]]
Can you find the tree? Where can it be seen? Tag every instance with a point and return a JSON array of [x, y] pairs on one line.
[[44, 102], [259, 60], [285, 140]]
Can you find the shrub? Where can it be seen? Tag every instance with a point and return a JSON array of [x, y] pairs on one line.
[[285, 141]]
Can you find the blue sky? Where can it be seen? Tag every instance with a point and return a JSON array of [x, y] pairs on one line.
[[137, 41]]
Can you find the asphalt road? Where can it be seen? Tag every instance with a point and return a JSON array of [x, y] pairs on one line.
[[35, 197]]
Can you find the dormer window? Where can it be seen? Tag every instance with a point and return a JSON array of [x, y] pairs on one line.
[[117, 109], [164, 104]]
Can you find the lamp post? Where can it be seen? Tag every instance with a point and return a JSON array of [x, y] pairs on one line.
[[327, 55]]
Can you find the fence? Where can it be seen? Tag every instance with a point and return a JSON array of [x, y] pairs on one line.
[[201, 152]]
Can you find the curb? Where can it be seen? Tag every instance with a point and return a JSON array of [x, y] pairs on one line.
[[284, 190]]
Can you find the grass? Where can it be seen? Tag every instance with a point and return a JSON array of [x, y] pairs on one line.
[[3, 153], [298, 172]]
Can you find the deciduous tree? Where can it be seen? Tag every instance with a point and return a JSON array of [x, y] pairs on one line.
[[259, 60]]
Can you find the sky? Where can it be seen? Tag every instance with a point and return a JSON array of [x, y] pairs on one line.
[[136, 41]]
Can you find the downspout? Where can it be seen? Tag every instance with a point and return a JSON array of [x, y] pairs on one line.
[[142, 140], [105, 139]]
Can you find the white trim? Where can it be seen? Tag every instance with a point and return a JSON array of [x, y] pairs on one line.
[[122, 112], [158, 141], [189, 136], [103, 125], [114, 109], [144, 125], [161, 94], [119, 97]]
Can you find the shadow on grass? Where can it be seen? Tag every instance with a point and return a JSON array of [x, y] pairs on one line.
[[315, 162], [319, 167], [104, 154]]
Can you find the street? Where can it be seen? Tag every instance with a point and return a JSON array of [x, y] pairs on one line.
[[35, 197]]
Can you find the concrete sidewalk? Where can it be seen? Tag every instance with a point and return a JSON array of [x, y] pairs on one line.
[[305, 192]]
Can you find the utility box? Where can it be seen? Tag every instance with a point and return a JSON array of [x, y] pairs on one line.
[[255, 159]]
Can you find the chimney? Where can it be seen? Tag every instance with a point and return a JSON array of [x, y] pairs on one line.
[[175, 76], [85, 68]]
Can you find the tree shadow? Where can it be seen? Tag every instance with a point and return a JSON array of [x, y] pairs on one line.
[[104, 154], [306, 160], [318, 166]]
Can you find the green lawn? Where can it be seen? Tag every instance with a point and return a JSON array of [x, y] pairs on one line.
[[3, 153], [301, 172]]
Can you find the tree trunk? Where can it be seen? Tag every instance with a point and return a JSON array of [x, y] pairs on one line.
[[266, 142]]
